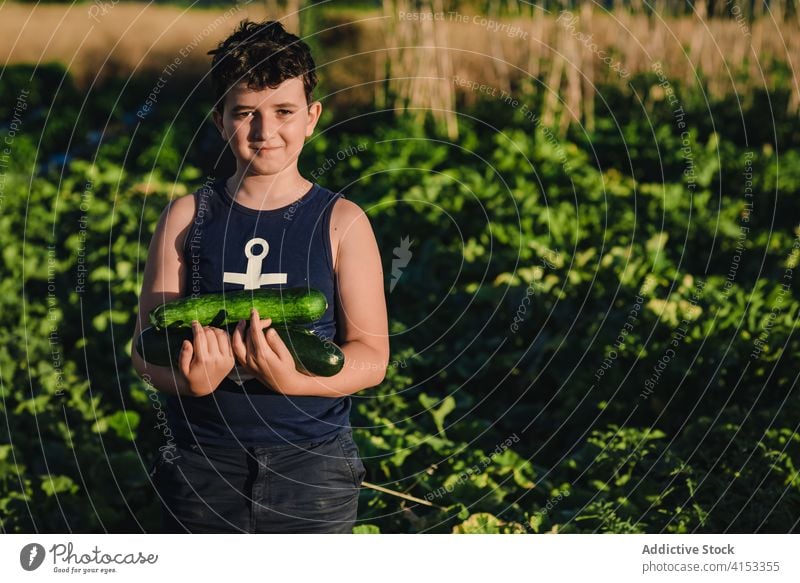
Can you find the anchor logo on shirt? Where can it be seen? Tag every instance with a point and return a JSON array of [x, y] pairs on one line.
[[253, 278]]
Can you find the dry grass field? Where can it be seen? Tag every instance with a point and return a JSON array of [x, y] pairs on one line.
[[127, 38], [565, 54]]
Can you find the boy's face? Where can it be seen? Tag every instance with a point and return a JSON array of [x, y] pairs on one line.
[[266, 129]]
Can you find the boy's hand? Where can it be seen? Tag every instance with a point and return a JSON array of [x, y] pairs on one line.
[[265, 355], [207, 360]]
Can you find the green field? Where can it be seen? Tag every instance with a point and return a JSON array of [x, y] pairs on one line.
[[594, 332]]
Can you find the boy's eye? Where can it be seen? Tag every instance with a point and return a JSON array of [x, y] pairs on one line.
[[284, 111]]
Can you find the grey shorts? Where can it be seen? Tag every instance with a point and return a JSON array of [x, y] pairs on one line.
[[310, 487]]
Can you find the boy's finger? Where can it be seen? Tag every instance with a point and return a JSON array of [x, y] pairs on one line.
[[222, 341], [185, 357], [237, 343], [258, 344], [245, 353], [200, 344], [250, 342], [277, 344], [229, 343], [256, 321], [254, 325]]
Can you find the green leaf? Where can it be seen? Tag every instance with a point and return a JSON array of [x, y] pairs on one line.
[[479, 523], [102, 273], [52, 485], [124, 424], [100, 321], [438, 414], [4, 451], [33, 406]]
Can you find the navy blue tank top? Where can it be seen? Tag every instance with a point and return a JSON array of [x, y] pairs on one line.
[[230, 247]]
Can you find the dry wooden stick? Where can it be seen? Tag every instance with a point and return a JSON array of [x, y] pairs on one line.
[[401, 495]]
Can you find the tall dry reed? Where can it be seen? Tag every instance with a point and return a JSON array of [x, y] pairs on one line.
[[421, 59]]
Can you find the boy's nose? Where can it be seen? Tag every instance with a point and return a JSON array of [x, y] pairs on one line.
[[265, 130]]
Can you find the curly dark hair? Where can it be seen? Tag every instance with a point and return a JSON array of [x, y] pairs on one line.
[[264, 55]]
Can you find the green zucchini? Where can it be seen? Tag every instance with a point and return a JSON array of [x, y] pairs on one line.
[[296, 305], [312, 355]]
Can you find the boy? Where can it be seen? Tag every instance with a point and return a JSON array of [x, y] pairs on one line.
[[260, 446]]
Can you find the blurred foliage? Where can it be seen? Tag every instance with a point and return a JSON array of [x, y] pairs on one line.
[[528, 256]]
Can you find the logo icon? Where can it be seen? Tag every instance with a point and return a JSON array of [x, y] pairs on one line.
[[402, 255], [253, 278], [31, 556]]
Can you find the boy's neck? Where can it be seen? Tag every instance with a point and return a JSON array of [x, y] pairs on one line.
[[267, 192]]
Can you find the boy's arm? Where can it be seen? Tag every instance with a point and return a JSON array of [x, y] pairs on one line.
[[163, 280], [361, 317]]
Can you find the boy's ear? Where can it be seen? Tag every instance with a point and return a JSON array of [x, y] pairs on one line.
[[216, 116], [314, 111]]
